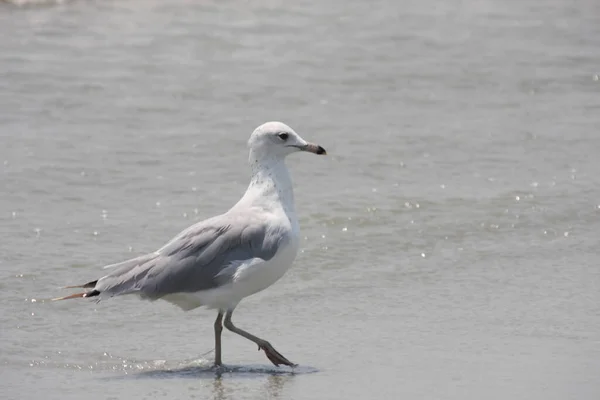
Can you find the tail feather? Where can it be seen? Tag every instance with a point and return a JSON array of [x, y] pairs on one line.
[[78, 295], [121, 279]]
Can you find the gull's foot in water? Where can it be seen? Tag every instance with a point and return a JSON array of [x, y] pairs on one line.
[[274, 356], [218, 369]]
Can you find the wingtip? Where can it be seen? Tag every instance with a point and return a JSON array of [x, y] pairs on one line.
[[84, 286]]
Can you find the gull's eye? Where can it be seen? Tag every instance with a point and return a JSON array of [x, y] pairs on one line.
[[283, 136]]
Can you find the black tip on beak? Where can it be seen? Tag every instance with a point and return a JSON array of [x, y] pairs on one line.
[[313, 148]]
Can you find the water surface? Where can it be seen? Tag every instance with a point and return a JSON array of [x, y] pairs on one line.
[[449, 240]]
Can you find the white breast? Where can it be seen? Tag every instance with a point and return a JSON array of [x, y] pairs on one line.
[[258, 276]]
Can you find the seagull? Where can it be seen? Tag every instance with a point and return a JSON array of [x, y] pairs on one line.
[[217, 262]]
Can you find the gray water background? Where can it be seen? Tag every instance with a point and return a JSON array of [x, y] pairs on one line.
[[450, 239]]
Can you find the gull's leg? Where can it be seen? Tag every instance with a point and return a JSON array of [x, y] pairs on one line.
[[218, 330], [272, 354]]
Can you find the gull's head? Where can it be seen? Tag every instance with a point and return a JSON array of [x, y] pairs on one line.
[[277, 140]]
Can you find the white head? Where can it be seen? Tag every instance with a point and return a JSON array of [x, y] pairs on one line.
[[277, 140]]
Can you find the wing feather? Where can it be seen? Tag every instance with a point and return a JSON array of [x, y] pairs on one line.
[[201, 257]]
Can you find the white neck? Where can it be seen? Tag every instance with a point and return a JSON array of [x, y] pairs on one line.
[[270, 184]]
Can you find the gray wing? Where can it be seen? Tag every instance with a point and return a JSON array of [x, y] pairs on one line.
[[196, 259]]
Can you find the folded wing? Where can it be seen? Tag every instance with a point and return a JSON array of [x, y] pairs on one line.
[[201, 257]]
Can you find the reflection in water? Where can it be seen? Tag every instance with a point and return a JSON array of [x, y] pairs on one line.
[[273, 386], [218, 390], [275, 383]]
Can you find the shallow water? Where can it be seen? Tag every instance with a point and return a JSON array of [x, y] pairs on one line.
[[449, 240]]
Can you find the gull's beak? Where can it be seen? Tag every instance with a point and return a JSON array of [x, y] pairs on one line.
[[314, 148]]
